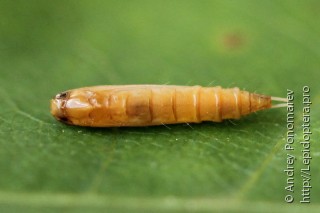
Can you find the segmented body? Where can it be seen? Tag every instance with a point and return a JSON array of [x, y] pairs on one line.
[[146, 105]]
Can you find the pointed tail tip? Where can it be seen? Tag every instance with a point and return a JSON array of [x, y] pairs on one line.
[[259, 102]]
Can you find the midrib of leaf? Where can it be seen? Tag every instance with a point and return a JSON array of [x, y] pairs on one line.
[[200, 204], [252, 180]]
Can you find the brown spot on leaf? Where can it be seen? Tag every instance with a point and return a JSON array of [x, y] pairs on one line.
[[233, 41]]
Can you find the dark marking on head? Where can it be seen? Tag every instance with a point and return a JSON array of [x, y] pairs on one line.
[[62, 95], [64, 119]]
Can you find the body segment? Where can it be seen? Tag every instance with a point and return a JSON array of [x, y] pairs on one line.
[[146, 105]]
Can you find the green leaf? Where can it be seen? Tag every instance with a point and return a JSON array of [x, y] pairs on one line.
[[235, 166]]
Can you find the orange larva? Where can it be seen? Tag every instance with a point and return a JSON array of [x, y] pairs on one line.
[[147, 105]]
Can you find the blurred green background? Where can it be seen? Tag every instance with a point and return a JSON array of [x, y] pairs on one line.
[[50, 46]]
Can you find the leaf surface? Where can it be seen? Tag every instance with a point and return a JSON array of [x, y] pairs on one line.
[[235, 166]]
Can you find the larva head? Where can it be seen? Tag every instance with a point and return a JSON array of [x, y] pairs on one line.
[[72, 107]]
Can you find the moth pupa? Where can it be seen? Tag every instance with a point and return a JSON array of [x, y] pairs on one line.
[[148, 105]]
